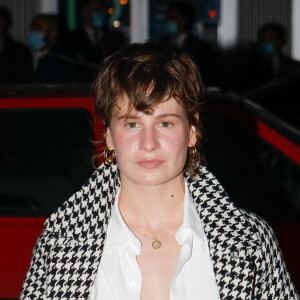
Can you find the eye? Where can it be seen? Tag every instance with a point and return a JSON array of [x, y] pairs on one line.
[[132, 125], [165, 124]]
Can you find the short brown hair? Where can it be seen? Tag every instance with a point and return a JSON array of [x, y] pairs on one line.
[[169, 72]]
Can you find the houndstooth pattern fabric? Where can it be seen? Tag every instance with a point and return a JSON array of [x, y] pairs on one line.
[[246, 259]]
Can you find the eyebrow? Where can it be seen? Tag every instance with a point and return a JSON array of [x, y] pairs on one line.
[[167, 115], [134, 117]]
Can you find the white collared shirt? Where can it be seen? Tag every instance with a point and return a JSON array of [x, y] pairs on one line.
[[119, 276]]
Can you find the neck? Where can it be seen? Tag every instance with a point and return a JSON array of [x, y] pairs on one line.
[[151, 208]]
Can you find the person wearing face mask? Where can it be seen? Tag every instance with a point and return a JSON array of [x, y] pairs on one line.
[[271, 40], [50, 60], [246, 68], [92, 41], [180, 19], [15, 58]]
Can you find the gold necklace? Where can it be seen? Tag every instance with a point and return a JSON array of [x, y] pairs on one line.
[[156, 244]]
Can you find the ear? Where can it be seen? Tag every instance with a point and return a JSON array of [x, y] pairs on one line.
[[192, 133], [109, 139]]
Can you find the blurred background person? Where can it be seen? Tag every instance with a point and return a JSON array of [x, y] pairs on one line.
[[250, 67], [50, 60], [93, 40], [272, 62], [179, 25], [15, 58]]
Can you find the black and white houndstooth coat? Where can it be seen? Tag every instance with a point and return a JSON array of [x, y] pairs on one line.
[[246, 259]]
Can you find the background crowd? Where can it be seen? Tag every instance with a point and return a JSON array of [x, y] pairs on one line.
[[53, 54]]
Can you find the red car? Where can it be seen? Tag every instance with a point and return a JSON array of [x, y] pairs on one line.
[[46, 145]]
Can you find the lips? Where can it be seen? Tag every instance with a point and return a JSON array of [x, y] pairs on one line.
[[150, 163]]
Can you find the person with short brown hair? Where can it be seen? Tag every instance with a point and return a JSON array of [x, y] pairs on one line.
[[152, 222], [157, 75]]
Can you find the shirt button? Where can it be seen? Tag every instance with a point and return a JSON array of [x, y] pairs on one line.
[[133, 285]]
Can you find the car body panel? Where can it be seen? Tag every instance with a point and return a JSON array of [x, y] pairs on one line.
[[19, 234]]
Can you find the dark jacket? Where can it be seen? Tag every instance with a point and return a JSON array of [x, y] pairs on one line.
[[203, 55], [246, 259], [55, 66], [90, 56], [15, 62]]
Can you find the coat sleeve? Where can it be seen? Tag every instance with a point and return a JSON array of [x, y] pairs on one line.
[[274, 281], [34, 286]]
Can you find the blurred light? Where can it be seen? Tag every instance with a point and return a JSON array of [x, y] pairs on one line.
[[212, 13], [116, 23], [123, 2], [111, 10]]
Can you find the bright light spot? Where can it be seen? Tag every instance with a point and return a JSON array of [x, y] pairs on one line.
[[116, 23], [111, 10], [123, 2], [212, 13]]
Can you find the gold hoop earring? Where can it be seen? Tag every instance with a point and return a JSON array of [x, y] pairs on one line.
[[109, 155], [192, 152]]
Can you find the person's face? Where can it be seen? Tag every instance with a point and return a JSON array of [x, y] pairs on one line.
[[150, 149], [94, 7], [40, 24], [181, 22], [271, 37]]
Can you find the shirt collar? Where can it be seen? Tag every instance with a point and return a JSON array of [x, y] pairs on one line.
[[119, 233], [191, 219]]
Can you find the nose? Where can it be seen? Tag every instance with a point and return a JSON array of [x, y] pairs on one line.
[[149, 140]]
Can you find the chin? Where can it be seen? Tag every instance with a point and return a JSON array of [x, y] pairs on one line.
[[155, 178]]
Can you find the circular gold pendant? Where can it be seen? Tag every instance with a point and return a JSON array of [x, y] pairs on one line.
[[156, 244]]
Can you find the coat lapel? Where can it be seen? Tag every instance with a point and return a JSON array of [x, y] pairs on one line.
[[232, 240], [78, 235]]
